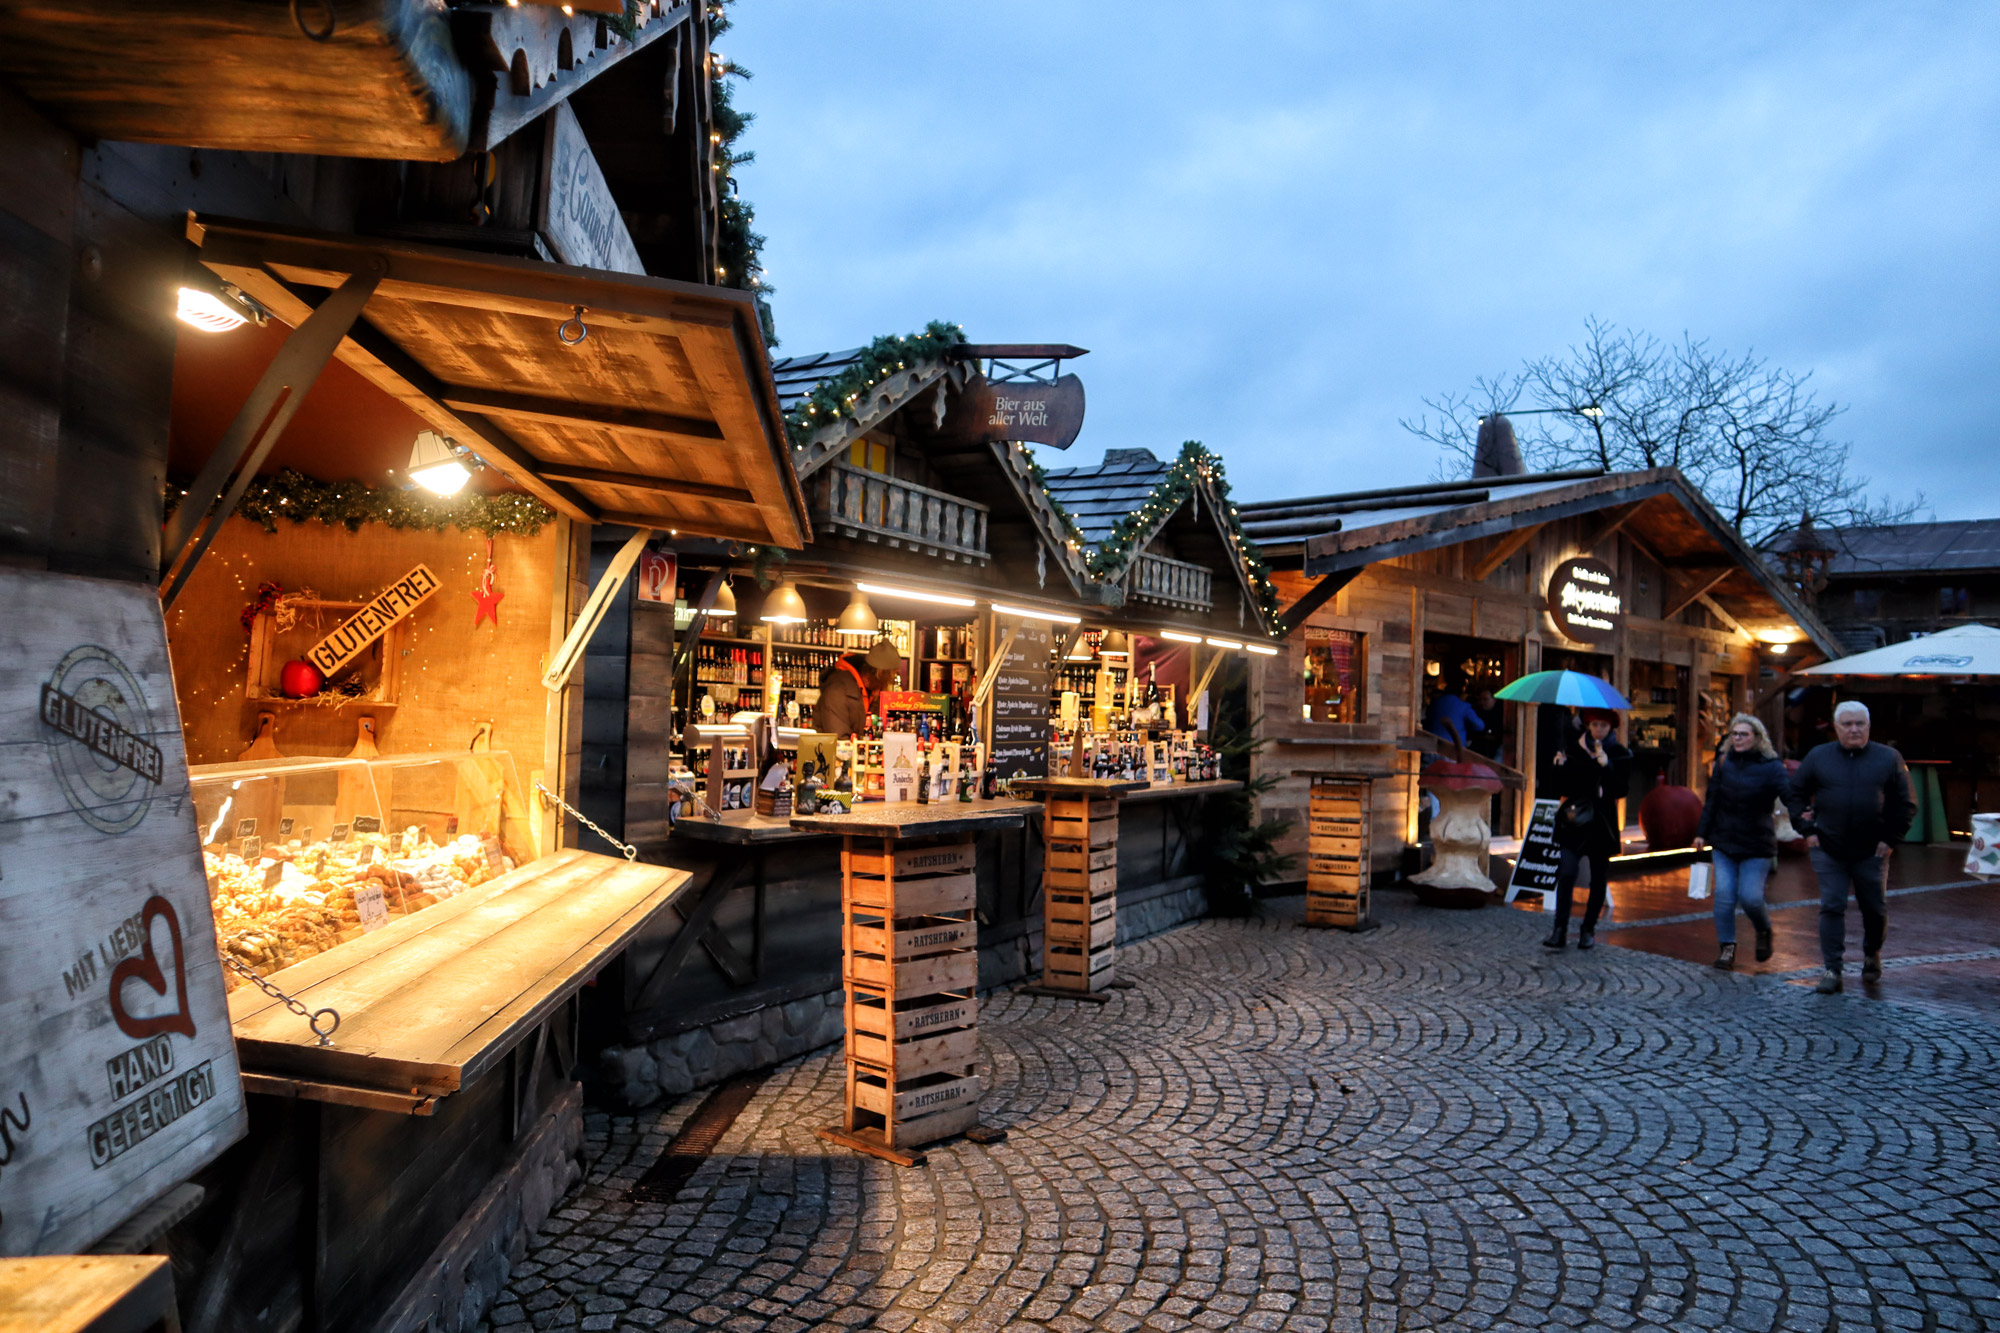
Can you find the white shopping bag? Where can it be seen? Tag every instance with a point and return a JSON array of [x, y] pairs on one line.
[[1701, 875]]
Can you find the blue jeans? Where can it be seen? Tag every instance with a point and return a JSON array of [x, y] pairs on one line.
[[1740, 881], [1865, 878]]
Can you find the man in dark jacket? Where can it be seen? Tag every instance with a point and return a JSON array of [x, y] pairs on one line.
[[847, 690], [1860, 798]]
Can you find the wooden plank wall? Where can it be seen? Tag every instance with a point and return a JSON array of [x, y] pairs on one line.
[[601, 792], [457, 676], [1396, 602], [648, 721]]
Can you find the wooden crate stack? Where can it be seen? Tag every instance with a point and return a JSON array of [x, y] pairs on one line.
[[911, 959], [1079, 893], [1337, 861]]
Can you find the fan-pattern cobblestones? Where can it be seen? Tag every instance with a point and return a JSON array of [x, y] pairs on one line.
[[1433, 1126]]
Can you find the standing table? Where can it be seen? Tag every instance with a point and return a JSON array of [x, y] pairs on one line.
[[1079, 883], [88, 1293], [910, 966], [1338, 839]]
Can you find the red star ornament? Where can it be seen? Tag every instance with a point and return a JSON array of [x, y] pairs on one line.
[[486, 595]]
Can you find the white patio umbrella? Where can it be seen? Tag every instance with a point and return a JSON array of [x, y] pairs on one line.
[[1966, 650]]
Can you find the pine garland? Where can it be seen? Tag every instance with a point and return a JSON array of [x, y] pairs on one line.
[[301, 499], [739, 246], [832, 400], [1195, 466]]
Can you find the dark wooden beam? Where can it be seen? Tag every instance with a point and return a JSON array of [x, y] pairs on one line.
[[1610, 528], [1698, 590], [595, 476], [497, 403], [1316, 596], [1502, 552]]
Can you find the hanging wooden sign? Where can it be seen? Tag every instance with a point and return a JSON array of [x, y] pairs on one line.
[[1584, 600], [1029, 411], [368, 624], [118, 1074]]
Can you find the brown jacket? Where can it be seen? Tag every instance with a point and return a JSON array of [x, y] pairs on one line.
[[842, 706]]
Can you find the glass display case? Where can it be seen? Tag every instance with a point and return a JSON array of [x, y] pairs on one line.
[[304, 855]]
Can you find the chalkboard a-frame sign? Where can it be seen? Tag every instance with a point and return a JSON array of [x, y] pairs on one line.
[[118, 1074]]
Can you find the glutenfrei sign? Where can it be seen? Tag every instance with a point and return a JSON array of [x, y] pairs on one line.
[[1584, 600], [373, 620]]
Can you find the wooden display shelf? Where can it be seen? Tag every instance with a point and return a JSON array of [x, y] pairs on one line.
[[910, 964], [1079, 885], [1338, 835], [88, 1293]]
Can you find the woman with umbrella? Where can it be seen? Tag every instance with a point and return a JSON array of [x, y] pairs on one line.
[[1591, 772]]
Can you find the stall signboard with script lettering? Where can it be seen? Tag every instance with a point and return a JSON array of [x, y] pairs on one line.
[[118, 1075], [372, 621], [577, 214], [1030, 411], [1584, 601]]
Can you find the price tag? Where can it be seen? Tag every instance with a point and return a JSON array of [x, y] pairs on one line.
[[367, 857], [367, 824], [253, 848], [285, 827], [306, 834], [275, 873], [372, 907], [319, 870], [396, 843], [246, 828], [451, 826]]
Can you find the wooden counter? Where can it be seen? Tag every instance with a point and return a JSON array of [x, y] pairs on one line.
[[946, 819], [1080, 883], [88, 1293], [433, 1000], [743, 828]]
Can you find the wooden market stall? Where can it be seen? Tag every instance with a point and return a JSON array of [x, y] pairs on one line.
[[935, 529], [1393, 595]]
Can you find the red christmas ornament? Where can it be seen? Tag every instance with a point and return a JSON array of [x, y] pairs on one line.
[[300, 679]]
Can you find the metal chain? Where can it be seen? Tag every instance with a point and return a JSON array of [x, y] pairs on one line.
[[312, 1017], [630, 852]]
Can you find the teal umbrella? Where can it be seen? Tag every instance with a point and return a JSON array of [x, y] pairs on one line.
[[1563, 687]]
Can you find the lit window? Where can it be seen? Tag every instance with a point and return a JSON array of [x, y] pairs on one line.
[[1336, 674], [870, 455]]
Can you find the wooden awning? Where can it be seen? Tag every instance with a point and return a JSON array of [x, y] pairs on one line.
[[662, 414]]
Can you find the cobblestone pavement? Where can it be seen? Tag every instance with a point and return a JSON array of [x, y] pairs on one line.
[[1438, 1125]]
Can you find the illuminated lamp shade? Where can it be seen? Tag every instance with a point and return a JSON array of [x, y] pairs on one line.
[[209, 312], [725, 602], [784, 606], [435, 467], [1116, 644], [859, 619]]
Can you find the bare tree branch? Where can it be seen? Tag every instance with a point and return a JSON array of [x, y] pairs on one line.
[[1752, 437]]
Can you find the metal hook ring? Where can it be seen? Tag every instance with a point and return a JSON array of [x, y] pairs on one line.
[[582, 332], [325, 34], [325, 1036]]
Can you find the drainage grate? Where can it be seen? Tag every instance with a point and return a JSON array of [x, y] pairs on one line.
[[679, 1160]]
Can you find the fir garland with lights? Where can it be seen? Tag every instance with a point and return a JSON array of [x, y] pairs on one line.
[[832, 400], [1196, 466], [302, 499], [739, 247]]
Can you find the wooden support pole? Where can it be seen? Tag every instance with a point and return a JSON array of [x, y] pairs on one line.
[[1503, 551], [1697, 592], [571, 652]]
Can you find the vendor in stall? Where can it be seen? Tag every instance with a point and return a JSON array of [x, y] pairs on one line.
[[848, 687]]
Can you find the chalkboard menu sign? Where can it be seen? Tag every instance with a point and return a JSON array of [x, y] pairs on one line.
[[1535, 868], [1021, 706]]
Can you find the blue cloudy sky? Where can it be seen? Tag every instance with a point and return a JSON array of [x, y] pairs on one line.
[[1278, 226]]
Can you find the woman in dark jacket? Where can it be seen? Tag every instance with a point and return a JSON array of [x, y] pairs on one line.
[[1736, 821], [1592, 774]]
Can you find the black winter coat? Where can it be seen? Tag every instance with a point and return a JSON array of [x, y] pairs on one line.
[[1581, 778], [1859, 799], [1737, 818]]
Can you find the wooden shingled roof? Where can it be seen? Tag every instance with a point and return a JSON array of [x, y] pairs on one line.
[[1674, 523], [1097, 497]]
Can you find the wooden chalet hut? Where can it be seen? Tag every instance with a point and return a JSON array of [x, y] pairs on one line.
[[1391, 595]]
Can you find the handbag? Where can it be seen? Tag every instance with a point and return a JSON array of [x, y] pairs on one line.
[[1574, 819]]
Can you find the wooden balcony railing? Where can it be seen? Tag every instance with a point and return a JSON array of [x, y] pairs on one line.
[[868, 505], [1157, 578]]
